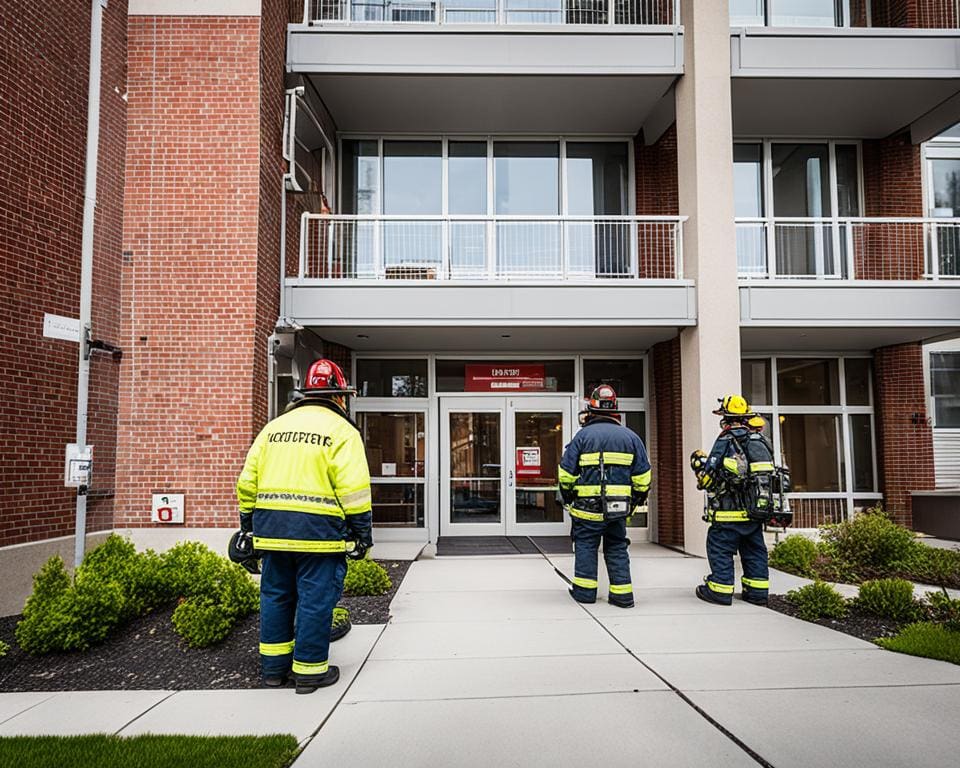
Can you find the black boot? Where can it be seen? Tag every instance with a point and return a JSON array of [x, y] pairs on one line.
[[753, 599], [703, 592], [586, 600], [273, 681], [310, 683], [620, 602]]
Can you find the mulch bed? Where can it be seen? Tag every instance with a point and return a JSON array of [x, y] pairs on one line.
[[148, 655], [857, 622]]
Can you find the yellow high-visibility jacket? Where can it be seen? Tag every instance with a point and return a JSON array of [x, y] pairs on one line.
[[306, 482]]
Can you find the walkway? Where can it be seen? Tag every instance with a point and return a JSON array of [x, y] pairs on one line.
[[487, 661]]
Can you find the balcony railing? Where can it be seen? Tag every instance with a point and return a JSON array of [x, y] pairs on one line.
[[849, 248], [929, 14], [590, 12], [490, 248]]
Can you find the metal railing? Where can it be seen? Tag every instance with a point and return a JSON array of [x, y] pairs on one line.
[[489, 248], [591, 12], [849, 248]]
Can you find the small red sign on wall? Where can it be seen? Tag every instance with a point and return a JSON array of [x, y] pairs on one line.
[[498, 377], [528, 461]]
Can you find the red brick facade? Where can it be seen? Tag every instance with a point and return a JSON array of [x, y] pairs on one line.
[[892, 187], [918, 14], [44, 61], [657, 195], [904, 436], [666, 406], [192, 384]]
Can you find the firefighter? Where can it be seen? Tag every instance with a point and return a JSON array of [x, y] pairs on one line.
[[604, 473], [305, 494], [740, 460]]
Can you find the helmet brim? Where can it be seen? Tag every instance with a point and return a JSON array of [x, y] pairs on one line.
[[327, 391]]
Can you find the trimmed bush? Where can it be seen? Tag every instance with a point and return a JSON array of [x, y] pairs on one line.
[[871, 541], [366, 577], [818, 601], [795, 554], [115, 583], [3, 649], [932, 565], [942, 609], [340, 616], [924, 639], [889, 599]]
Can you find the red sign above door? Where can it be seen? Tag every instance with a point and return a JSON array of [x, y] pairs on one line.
[[501, 377]]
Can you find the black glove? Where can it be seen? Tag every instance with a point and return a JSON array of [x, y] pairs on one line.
[[360, 548], [698, 460], [639, 498], [567, 494], [246, 522]]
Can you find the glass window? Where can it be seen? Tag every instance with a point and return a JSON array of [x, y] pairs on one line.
[[808, 381], [848, 180], [505, 377], [527, 178], [945, 388], [625, 376], [857, 371], [946, 187], [801, 179], [596, 178], [746, 13], [767, 430], [475, 468], [391, 378], [467, 177], [539, 434], [755, 381], [394, 443], [861, 439], [748, 180], [360, 173], [805, 13], [412, 177], [398, 505], [812, 445]]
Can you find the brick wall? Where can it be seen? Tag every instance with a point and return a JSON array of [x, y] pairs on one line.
[[657, 195], [192, 333], [892, 187], [923, 14], [667, 452], [44, 61], [904, 441]]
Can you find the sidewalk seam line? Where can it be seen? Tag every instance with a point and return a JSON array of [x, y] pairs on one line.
[[148, 709], [23, 711]]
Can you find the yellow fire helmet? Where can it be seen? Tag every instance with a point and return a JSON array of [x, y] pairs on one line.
[[757, 423], [732, 405]]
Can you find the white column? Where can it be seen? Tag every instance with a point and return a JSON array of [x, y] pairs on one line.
[[709, 352]]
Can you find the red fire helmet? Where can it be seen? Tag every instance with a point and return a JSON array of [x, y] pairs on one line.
[[325, 377]]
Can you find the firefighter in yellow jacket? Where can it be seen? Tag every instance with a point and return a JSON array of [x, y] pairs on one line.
[[305, 494]]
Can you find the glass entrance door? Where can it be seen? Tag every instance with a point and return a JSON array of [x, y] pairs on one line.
[[498, 465]]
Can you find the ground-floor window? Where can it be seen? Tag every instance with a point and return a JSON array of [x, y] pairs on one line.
[[820, 417], [395, 443]]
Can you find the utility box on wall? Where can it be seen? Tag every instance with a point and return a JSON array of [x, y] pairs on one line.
[[167, 508]]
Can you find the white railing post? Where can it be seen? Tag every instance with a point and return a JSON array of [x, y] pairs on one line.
[[490, 256], [678, 255], [306, 11], [934, 251], [770, 229], [445, 246], [301, 270], [850, 256]]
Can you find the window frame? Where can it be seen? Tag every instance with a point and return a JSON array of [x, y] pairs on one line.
[[932, 409], [845, 21], [775, 409]]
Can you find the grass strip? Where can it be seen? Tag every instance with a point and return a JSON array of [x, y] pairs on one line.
[[106, 751], [925, 639]]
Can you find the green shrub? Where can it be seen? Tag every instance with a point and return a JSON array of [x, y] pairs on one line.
[[202, 622], [889, 599], [933, 565], [795, 554], [925, 639], [818, 601], [366, 577], [942, 609], [3, 649], [340, 616], [871, 542], [114, 584]]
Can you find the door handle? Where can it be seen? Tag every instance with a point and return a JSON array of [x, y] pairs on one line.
[[510, 478]]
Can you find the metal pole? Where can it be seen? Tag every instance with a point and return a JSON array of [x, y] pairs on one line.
[[86, 257]]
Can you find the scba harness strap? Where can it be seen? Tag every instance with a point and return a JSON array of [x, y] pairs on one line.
[[760, 489]]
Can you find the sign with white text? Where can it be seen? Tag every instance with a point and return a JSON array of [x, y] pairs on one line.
[[498, 377]]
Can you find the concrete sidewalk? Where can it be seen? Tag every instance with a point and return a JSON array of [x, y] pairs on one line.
[[487, 661]]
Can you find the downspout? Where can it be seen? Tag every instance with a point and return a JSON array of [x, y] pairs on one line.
[[86, 257]]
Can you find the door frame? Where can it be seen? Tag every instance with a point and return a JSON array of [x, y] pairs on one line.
[[507, 407]]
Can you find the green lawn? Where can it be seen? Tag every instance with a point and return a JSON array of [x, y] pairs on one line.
[[147, 751], [925, 639]]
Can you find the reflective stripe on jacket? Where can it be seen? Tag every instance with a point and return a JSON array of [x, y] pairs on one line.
[[307, 481], [625, 464]]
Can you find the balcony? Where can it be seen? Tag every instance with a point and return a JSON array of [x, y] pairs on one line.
[[854, 82], [572, 12], [490, 66], [857, 282], [471, 274]]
